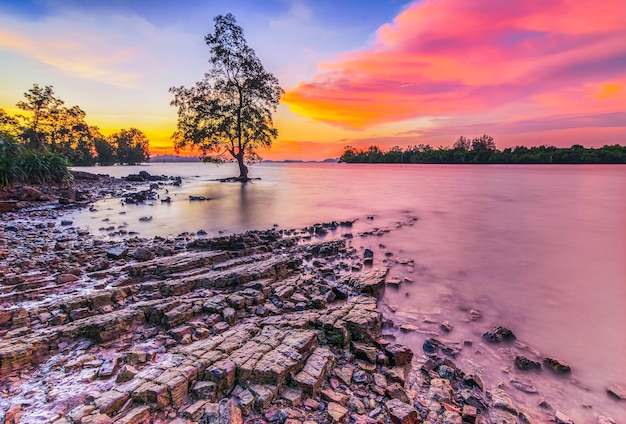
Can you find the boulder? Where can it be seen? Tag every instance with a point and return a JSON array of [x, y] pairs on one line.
[[557, 365], [317, 366], [561, 418], [400, 412], [142, 254], [336, 412], [617, 391], [111, 401], [525, 364], [501, 400], [117, 252], [29, 194], [499, 334], [398, 354], [136, 415], [370, 282], [223, 374]]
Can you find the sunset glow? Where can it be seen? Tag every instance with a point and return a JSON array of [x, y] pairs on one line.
[[527, 72]]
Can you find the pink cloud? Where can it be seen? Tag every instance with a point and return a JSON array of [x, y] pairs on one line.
[[460, 58]]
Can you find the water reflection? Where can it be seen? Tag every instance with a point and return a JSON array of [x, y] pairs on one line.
[[541, 249]]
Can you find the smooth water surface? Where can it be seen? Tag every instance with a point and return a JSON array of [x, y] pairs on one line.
[[539, 249]]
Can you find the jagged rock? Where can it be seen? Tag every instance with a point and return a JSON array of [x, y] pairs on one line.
[[395, 391], [526, 364], [469, 414], [223, 374], [399, 354], [226, 412], [606, 420], [127, 373], [117, 252], [355, 404], [177, 386], [559, 366], [152, 393], [292, 395], [452, 417], [499, 399], [205, 390], [264, 394], [81, 411], [143, 254], [431, 345], [502, 416], [15, 357], [446, 326], [380, 380], [370, 282], [315, 370], [440, 390], [332, 396], [344, 373], [97, 418], [195, 411], [499, 334], [336, 412], [111, 401], [400, 412], [109, 367], [523, 386], [67, 278], [561, 418], [28, 194], [474, 380], [363, 351]]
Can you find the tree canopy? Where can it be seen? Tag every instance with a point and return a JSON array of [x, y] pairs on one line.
[[48, 126], [483, 150], [230, 110]]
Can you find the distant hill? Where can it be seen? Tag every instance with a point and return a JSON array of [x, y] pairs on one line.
[[173, 158]]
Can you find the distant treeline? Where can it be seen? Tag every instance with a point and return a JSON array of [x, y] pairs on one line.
[[483, 150], [49, 126]]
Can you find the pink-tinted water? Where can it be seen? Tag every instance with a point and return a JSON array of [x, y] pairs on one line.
[[538, 249]]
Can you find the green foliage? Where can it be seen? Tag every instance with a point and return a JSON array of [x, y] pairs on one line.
[[43, 168], [22, 165], [105, 151], [483, 150], [230, 109], [131, 146], [49, 126], [9, 151]]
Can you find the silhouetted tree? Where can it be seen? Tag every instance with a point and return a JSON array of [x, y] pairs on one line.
[[105, 151], [463, 143], [43, 106], [230, 109], [131, 146], [9, 125]]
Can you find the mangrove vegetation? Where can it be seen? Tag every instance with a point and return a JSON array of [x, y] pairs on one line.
[[482, 150]]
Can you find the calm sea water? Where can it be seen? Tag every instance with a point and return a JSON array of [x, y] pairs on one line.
[[538, 249]]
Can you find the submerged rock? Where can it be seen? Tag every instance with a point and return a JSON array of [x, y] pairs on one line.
[[617, 391], [559, 366], [499, 334], [525, 364]]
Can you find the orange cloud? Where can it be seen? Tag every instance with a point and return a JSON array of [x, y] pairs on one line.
[[609, 90], [458, 58]]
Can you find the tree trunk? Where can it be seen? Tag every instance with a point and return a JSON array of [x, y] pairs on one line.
[[243, 169]]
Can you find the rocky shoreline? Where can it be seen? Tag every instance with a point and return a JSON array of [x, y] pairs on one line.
[[266, 326]]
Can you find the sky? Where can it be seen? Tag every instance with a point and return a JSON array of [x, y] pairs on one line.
[[384, 72]]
